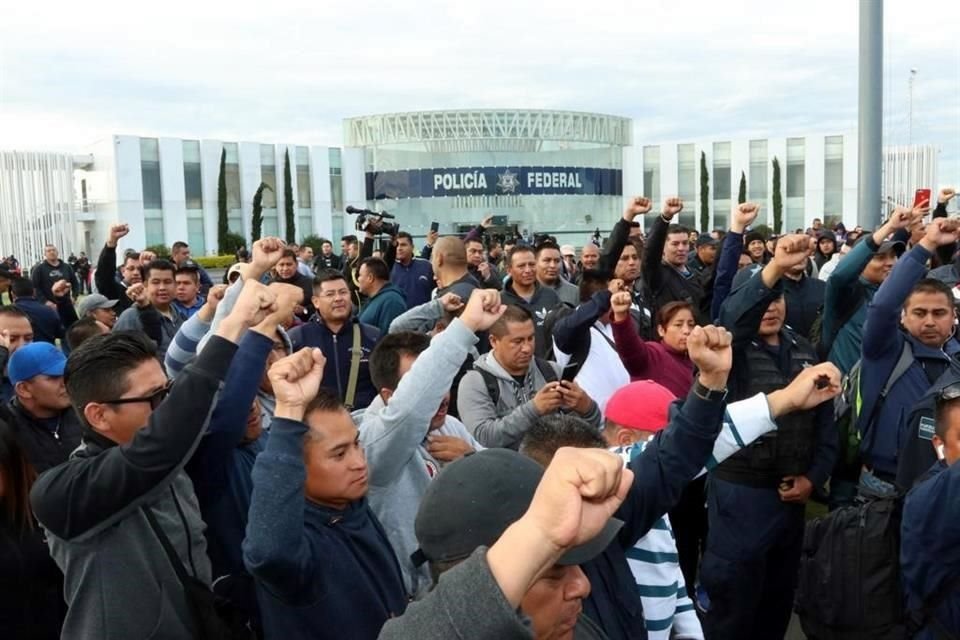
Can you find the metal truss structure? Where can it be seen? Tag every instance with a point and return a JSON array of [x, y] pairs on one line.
[[487, 130]]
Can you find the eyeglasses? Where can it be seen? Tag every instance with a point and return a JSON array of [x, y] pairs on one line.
[[154, 398]]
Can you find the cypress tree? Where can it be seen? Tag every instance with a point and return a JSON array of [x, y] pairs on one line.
[[223, 227], [777, 198], [742, 193], [289, 219], [704, 194], [256, 221]]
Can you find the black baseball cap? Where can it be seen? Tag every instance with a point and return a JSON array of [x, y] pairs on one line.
[[706, 239], [473, 501]]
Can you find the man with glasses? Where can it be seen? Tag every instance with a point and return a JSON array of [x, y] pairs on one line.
[[344, 340], [121, 517]]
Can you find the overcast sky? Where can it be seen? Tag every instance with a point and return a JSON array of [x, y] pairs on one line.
[[290, 71]]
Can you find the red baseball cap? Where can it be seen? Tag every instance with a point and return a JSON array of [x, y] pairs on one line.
[[643, 405]]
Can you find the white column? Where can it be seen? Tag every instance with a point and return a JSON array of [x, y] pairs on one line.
[[850, 169], [320, 194], [354, 177], [173, 190], [813, 175], [129, 192]]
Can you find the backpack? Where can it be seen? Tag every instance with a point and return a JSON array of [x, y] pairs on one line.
[[848, 307], [849, 580], [852, 425], [493, 382]]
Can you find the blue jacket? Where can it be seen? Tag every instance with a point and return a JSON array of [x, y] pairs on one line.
[[221, 467], [415, 280], [930, 544], [882, 344], [845, 350], [727, 262], [46, 323], [380, 310], [336, 348], [668, 463], [321, 572]]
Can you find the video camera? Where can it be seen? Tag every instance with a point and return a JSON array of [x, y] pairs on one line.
[[374, 221]]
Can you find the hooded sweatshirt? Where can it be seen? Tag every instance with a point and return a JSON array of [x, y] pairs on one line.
[[394, 437], [503, 424], [385, 305]]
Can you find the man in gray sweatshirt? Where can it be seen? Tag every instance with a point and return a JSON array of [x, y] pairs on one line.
[[406, 432], [509, 388]]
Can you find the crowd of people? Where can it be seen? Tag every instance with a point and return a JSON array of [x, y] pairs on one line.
[[482, 438]]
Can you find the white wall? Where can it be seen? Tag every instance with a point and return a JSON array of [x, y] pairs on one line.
[[320, 191], [129, 192], [250, 178], [354, 177], [209, 177]]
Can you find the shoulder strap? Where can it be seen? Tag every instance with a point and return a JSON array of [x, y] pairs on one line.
[[490, 381], [904, 362], [546, 369], [175, 561], [355, 353]]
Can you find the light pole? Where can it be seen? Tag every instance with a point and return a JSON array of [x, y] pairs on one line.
[[870, 105], [913, 75]]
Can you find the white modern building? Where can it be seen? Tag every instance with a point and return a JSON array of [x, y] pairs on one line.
[[558, 172]]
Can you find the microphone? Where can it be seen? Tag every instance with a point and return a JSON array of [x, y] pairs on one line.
[[380, 214]]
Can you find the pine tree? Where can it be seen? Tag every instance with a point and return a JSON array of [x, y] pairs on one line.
[[223, 227], [777, 198], [290, 222], [256, 221], [742, 193], [704, 194]]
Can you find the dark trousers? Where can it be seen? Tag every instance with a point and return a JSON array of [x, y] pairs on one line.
[[751, 561], [689, 522]]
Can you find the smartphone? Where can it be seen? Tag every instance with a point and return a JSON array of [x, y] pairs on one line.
[[435, 226], [499, 221], [920, 196]]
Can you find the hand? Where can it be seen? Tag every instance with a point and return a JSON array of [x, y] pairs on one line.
[[5, 339], [482, 310], [615, 286], [548, 399], [214, 297], [447, 448], [940, 232], [117, 231], [743, 216], [487, 222], [946, 195], [901, 218], [146, 257], [792, 251], [266, 253], [638, 207], [484, 269], [575, 398], [296, 380], [710, 350], [288, 299], [799, 490], [671, 207], [138, 293], [451, 302], [812, 386], [620, 303], [432, 237], [578, 493], [255, 304], [60, 288]]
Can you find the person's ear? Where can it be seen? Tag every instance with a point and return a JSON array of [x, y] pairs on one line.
[[97, 416], [624, 437], [23, 389]]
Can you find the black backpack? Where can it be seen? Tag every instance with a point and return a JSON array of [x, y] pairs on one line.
[[493, 383], [849, 580]]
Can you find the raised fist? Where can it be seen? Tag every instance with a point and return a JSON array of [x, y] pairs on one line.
[[710, 349], [946, 195], [117, 231], [638, 207], [743, 215], [483, 309], [793, 250], [671, 207]]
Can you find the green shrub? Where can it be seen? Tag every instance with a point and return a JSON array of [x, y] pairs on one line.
[[313, 241], [215, 262], [232, 242], [162, 250]]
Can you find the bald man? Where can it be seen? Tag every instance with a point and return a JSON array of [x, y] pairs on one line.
[[449, 261]]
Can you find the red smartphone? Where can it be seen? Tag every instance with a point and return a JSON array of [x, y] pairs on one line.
[[921, 196]]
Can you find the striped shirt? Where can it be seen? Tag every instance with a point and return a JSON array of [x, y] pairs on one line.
[[667, 609]]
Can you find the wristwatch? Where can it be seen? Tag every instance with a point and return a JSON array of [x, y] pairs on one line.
[[710, 395]]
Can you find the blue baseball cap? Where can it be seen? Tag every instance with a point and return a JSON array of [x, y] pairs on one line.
[[35, 359]]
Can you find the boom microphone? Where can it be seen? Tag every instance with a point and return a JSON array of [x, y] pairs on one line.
[[379, 214]]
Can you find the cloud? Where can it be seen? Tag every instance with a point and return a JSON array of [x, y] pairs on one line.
[[292, 71]]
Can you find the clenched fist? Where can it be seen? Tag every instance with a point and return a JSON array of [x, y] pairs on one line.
[[638, 207], [710, 349], [671, 207]]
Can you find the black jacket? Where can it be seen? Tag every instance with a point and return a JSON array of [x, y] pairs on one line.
[[804, 299], [47, 443], [105, 278], [666, 283], [45, 275], [31, 585], [337, 348], [45, 322]]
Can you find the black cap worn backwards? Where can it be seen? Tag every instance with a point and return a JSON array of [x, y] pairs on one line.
[[473, 501]]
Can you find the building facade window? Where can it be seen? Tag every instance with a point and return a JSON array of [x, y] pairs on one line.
[[268, 175], [336, 193], [195, 235], [833, 180], [720, 184], [150, 173], [192, 183], [232, 177], [687, 183], [304, 198], [651, 174], [796, 184], [757, 179]]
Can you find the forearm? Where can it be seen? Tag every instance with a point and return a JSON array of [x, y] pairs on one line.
[[619, 236], [633, 351], [727, 263], [274, 549], [825, 455], [420, 319], [883, 313], [653, 253], [575, 327]]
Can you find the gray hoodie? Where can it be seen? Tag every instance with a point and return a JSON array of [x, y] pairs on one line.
[[393, 438], [504, 424]]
